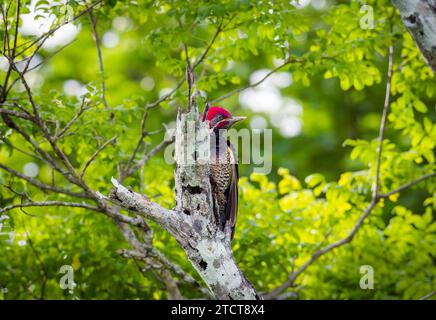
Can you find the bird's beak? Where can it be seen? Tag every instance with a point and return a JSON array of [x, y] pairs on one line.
[[234, 120], [229, 122]]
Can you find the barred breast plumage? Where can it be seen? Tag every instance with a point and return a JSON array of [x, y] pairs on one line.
[[224, 181]]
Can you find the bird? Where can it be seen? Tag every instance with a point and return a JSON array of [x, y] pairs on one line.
[[223, 166]]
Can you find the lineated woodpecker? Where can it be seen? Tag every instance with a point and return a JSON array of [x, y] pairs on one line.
[[223, 167]]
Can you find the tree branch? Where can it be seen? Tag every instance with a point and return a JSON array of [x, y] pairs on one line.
[[139, 204], [100, 61], [46, 156], [143, 253], [219, 29], [146, 251], [39, 259], [29, 154], [6, 42], [269, 74], [387, 103], [146, 207]]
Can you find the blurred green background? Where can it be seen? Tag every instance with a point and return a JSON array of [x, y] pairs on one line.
[[334, 93]]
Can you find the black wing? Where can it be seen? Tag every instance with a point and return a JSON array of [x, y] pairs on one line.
[[232, 191]]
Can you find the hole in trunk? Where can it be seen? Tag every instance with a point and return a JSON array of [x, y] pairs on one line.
[[203, 264], [193, 190], [412, 18]]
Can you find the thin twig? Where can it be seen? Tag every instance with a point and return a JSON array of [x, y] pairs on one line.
[[27, 67], [100, 61], [6, 39], [46, 35], [148, 156], [46, 156], [32, 155], [153, 252], [41, 185], [144, 133], [39, 259], [17, 114], [165, 97], [218, 30], [190, 80], [17, 23], [238, 90], [96, 153], [428, 296], [408, 185], [376, 187], [127, 171], [51, 204]]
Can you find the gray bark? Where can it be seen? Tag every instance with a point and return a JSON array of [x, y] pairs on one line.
[[419, 17], [192, 222]]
